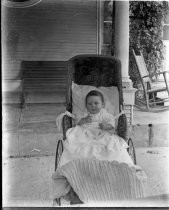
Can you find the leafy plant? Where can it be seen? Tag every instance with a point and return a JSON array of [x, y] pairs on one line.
[[146, 26]]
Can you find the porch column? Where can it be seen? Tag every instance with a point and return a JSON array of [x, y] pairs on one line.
[[122, 52], [122, 38]]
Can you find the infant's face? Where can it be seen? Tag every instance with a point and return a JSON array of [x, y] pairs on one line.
[[94, 104]]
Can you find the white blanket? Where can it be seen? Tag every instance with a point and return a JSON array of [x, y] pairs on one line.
[[99, 181]]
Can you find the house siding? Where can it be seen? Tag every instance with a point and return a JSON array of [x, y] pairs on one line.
[[53, 30]]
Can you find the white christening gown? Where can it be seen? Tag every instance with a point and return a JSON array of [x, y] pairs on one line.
[[89, 141]]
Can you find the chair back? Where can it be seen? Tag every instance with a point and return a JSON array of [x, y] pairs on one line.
[[95, 70], [141, 65]]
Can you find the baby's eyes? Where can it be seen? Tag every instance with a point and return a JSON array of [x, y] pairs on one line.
[[94, 103]]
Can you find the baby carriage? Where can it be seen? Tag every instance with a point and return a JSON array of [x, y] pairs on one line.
[[97, 71]]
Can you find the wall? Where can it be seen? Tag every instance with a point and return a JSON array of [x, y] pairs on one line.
[[50, 30]]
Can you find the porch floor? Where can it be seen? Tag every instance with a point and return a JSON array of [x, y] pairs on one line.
[[29, 142], [27, 181]]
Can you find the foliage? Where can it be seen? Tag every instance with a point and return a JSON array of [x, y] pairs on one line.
[[146, 26]]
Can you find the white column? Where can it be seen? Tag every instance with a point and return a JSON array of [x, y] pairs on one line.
[[122, 38], [100, 24], [122, 53]]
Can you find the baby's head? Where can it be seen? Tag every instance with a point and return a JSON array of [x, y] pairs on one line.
[[94, 102]]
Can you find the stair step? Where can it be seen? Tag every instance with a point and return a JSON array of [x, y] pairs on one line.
[[45, 90], [41, 116], [44, 63], [27, 80], [43, 70], [43, 97], [35, 97], [46, 87], [44, 81], [43, 108], [45, 84], [45, 75], [46, 68]]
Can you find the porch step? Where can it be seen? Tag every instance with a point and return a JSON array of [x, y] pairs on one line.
[[46, 97], [41, 73], [49, 87], [43, 84], [44, 81], [40, 113]]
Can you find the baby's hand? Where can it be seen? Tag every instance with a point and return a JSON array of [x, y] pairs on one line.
[[106, 126], [85, 120], [103, 126]]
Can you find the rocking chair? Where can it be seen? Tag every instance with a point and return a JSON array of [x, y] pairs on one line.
[[152, 102]]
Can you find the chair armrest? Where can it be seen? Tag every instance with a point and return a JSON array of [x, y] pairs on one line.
[[66, 124], [146, 76], [158, 73], [162, 72], [122, 127]]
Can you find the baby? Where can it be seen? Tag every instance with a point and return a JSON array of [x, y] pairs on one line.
[[94, 104], [94, 135]]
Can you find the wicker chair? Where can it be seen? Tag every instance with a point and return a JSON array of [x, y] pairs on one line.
[[151, 88]]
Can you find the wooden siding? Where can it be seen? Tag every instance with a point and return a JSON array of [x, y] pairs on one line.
[[53, 30]]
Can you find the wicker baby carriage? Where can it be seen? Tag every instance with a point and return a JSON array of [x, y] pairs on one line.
[[95, 70]]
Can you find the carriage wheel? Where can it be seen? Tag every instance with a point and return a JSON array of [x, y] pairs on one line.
[[131, 150], [59, 150]]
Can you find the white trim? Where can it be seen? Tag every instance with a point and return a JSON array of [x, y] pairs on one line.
[[98, 28], [100, 23]]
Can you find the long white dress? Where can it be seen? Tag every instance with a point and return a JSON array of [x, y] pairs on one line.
[[89, 141]]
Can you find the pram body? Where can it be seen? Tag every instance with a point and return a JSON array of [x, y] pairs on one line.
[[95, 70]]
